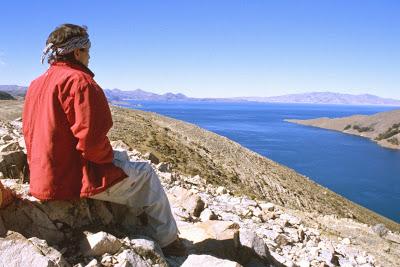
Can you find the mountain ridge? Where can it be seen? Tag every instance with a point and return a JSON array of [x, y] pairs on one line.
[[118, 95]]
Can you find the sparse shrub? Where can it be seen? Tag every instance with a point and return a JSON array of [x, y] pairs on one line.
[[347, 127], [395, 129], [394, 141], [361, 129]]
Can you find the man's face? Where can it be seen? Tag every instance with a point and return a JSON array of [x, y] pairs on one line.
[[82, 55]]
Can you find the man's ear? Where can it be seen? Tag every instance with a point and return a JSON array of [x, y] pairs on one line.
[[77, 53]]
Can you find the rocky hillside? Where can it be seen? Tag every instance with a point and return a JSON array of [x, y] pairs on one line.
[[230, 204], [6, 96], [383, 127]]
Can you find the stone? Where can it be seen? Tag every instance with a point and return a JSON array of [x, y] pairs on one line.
[[99, 244], [393, 237], [292, 220], [380, 229], [120, 145], [153, 158], [221, 190], [218, 238], [346, 241], [13, 164], [191, 202], [54, 255], [16, 250], [207, 261], [129, 258], [267, 206], [93, 263], [148, 249], [26, 218], [12, 146], [282, 240], [163, 167], [207, 215], [252, 245]]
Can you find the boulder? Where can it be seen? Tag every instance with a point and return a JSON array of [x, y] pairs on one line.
[[16, 250], [218, 238], [129, 258], [253, 246], [99, 244], [153, 158], [191, 202], [13, 164], [207, 261]]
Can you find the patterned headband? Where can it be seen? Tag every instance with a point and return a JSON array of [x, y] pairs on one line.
[[51, 51]]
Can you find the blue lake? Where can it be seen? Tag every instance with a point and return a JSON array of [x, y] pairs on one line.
[[352, 166]]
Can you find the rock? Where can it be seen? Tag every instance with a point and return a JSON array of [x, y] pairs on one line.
[[148, 249], [16, 250], [282, 240], [26, 218], [93, 263], [380, 229], [196, 180], [6, 138], [304, 263], [346, 241], [99, 244], [163, 167], [13, 164], [221, 190], [153, 158], [192, 203], [252, 245], [207, 261], [267, 206], [13, 146], [207, 215], [120, 145], [292, 220], [52, 254], [129, 258], [393, 237], [218, 238]]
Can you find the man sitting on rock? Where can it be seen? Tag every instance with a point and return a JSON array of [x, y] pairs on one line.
[[66, 119]]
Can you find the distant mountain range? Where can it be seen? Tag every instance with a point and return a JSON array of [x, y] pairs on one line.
[[326, 98], [117, 95]]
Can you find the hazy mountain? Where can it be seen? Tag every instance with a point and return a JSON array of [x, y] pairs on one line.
[[138, 94], [326, 98], [14, 90], [6, 96]]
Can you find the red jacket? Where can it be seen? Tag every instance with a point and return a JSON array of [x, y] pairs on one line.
[[66, 118]]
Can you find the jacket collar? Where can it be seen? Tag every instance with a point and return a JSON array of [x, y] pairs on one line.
[[75, 65]]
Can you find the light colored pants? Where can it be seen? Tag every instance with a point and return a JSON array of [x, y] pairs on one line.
[[142, 191]]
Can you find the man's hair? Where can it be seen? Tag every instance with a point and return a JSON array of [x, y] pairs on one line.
[[64, 33]]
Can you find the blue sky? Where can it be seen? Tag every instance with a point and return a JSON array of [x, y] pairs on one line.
[[217, 48]]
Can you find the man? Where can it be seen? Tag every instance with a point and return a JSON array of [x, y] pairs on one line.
[[66, 118]]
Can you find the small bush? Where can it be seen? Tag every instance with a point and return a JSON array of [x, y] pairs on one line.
[[347, 127], [394, 141], [361, 129], [395, 129]]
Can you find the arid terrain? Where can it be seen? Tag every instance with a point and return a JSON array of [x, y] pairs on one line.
[[191, 151], [383, 127]]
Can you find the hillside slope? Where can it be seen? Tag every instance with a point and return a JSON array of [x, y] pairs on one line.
[[192, 150], [383, 127]]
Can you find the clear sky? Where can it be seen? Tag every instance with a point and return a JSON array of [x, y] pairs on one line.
[[217, 48]]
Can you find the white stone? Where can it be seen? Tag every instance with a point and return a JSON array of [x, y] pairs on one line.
[[220, 190], [207, 261], [99, 244], [128, 258], [267, 206], [207, 215]]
